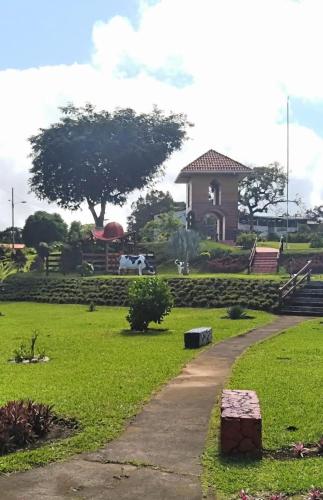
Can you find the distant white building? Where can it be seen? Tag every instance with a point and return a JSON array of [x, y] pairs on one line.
[[265, 224]]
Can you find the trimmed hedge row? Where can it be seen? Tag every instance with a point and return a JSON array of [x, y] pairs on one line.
[[298, 260], [203, 292]]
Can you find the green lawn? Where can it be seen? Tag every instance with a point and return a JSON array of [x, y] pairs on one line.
[[287, 373], [99, 372], [292, 247]]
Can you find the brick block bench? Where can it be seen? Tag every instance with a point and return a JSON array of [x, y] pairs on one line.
[[240, 424], [197, 337]]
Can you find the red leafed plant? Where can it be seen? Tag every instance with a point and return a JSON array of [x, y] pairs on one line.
[[22, 422], [315, 494], [299, 450], [243, 495]]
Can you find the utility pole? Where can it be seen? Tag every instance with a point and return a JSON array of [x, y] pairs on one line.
[[13, 218], [287, 176]]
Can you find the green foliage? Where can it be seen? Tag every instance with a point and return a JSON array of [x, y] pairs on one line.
[[184, 245], [43, 227], [303, 235], [202, 292], [70, 259], [22, 423], [154, 203], [236, 312], [92, 307], [262, 189], [150, 299], [101, 156], [161, 228], [28, 352], [75, 232], [85, 269], [316, 240], [7, 268], [6, 235], [271, 237], [246, 240]]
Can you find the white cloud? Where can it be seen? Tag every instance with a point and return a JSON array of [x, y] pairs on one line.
[[242, 58]]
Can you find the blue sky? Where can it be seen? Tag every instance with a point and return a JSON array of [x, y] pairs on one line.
[[176, 54], [50, 32]]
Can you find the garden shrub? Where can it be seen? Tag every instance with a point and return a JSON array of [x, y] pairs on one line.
[[85, 269], [236, 312], [246, 240], [23, 422], [150, 299], [316, 241]]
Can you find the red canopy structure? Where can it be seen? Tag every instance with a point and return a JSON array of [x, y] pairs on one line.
[[112, 231]]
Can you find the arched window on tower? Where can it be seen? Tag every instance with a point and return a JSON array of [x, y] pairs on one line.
[[215, 193]]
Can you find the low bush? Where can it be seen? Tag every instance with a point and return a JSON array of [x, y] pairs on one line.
[[236, 312], [150, 299], [85, 269], [22, 423], [246, 240]]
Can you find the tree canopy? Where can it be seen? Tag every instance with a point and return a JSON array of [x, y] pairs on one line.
[[99, 157], [161, 228], [43, 227], [315, 214], [261, 190], [6, 235], [146, 207]]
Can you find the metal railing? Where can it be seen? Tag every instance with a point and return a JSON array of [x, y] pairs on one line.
[[288, 288], [252, 255]]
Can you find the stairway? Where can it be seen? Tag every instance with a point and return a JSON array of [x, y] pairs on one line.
[[306, 300], [265, 261]]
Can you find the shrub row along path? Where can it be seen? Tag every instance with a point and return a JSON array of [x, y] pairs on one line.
[[158, 455]]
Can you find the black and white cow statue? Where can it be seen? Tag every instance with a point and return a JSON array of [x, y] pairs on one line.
[[137, 262], [181, 266]]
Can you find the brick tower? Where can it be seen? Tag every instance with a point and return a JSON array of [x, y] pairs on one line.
[[212, 194]]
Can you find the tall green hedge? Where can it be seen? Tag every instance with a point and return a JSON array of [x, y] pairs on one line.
[[203, 292]]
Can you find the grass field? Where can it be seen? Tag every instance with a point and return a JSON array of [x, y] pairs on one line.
[[287, 373], [99, 372], [292, 247]]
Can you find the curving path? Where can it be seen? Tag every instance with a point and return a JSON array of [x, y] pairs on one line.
[[158, 455]]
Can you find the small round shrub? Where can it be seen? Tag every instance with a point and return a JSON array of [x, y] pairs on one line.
[[236, 312], [150, 299], [246, 240]]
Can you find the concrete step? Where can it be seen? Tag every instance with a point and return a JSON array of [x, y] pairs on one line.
[[307, 302], [301, 310], [309, 294]]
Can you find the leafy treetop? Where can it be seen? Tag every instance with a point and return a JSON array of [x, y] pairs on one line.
[[99, 157], [155, 202], [43, 227], [261, 190]]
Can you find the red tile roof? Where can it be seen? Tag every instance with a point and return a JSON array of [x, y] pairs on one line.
[[212, 162]]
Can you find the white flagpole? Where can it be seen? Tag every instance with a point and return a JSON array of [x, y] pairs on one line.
[[287, 175]]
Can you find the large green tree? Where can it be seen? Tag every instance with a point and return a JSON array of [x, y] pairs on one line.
[[155, 202], [263, 188], [6, 235], [44, 227], [99, 157]]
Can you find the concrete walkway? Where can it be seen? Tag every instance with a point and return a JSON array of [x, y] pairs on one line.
[[158, 455]]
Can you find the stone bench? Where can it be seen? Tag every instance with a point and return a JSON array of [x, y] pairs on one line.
[[197, 337], [241, 424]]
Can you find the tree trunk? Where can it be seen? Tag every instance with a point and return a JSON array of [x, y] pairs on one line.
[[98, 219], [251, 222]]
